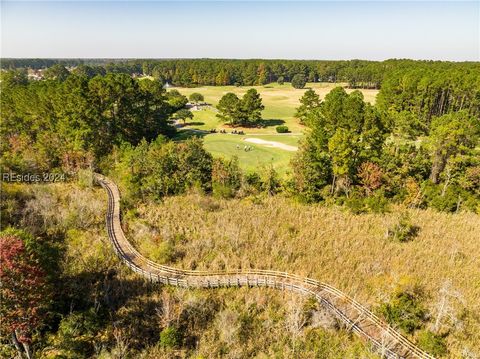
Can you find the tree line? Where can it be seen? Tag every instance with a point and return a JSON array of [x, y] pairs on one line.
[[428, 91], [69, 122], [37, 64], [197, 72], [366, 156]]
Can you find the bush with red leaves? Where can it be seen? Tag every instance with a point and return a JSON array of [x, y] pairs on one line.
[[23, 289]]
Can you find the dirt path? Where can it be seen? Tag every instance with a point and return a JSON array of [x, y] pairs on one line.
[[280, 145]]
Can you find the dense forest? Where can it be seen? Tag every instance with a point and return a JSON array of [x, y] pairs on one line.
[[362, 157], [416, 148], [37, 64], [194, 72], [70, 121]]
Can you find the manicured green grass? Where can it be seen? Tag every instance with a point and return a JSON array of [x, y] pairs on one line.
[[280, 102], [257, 159], [204, 120]]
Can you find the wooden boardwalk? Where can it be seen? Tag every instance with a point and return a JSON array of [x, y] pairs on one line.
[[387, 341]]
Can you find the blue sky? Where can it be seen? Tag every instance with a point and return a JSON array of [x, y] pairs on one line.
[[227, 29]]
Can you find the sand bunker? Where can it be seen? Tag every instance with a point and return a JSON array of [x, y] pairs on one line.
[[282, 146]]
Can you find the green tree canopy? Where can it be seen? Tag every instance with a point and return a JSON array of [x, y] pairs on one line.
[[176, 99], [164, 167], [229, 108], [309, 101], [451, 134], [183, 114], [299, 81], [196, 97], [57, 72], [69, 124], [245, 111], [345, 132], [251, 107]]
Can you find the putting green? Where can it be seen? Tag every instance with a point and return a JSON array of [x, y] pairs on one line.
[[257, 158]]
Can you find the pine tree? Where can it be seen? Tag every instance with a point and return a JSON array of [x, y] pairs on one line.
[[309, 101], [228, 108], [251, 107]]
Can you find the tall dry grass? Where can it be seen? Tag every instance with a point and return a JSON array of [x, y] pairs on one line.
[[348, 251], [227, 323], [351, 252]]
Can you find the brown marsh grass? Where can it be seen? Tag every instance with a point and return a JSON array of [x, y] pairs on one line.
[[351, 252]]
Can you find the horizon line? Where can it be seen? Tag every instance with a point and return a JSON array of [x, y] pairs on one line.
[[228, 58]]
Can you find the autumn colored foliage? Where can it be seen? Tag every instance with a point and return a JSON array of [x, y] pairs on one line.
[[23, 293], [370, 176]]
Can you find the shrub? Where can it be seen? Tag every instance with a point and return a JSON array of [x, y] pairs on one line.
[[281, 80], [270, 181], [445, 201], [412, 194], [7, 351], [432, 343], [299, 81], [404, 311], [164, 253], [403, 230], [251, 185], [355, 205], [370, 175], [471, 179], [223, 191], [77, 334], [282, 129], [196, 97], [208, 204], [253, 179], [85, 178], [226, 177], [377, 203], [170, 337], [450, 198]]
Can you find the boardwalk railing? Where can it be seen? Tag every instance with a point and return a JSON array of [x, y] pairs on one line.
[[387, 341]]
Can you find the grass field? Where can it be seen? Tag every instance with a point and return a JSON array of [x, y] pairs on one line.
[[224, 323], [258, 157], [348, 251], [280, 102]]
